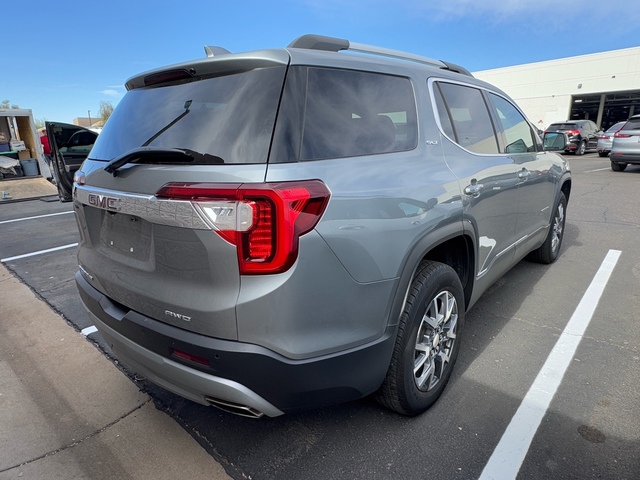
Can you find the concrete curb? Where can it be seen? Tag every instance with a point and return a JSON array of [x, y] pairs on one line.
[[67, 412]]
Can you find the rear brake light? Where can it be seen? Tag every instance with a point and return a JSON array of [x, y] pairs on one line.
[[621, 135], [170, 76], [263, 221], [572, 132]]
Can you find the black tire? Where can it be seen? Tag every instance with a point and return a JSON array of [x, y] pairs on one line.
[[618, 167], [603, 154], [550, 249], [581, 148], [423, 341]]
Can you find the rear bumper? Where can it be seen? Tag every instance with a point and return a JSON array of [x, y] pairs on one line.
[[253, 379], [621, 157]]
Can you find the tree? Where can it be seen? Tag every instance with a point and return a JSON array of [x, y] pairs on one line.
[[106, 109], [6, 104]]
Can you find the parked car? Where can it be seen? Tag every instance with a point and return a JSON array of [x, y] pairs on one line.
[[69, 146], [583, 135], [606, 139], [279, 230], [626, 145]]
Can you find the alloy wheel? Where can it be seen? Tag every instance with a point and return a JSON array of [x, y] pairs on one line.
[[435, 341]]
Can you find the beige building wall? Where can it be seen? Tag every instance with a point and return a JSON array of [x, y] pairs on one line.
[[544, 90]]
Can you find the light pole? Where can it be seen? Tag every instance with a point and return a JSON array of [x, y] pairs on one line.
[[89, 112]]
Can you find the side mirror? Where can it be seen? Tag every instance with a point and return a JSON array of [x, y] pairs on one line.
[[554, 141]]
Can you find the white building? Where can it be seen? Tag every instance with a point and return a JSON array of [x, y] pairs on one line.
[[603, 87]]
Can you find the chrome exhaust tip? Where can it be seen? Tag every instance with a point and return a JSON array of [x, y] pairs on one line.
[[234, 408]]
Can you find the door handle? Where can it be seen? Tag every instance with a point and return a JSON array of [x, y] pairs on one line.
[[474, 189], [524, 174]]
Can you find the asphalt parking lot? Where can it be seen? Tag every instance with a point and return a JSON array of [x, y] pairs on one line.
[[517, 405]]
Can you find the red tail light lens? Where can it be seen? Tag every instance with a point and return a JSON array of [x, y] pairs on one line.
[[621, 135], [572, 132], [263, 221]]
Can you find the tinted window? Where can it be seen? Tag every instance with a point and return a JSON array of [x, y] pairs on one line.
[[470, 118], [562, 126], [443, 114], [349, 113], [518, 137], [230, 117], [632, 124]]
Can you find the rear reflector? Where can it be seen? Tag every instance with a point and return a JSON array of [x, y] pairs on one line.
[[264, 221], [190, 357]]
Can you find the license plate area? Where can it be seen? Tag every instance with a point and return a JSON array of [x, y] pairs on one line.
[[126, 236]]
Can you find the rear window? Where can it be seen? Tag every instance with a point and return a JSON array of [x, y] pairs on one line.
[[632, 124], [229, 117], [334, 113], [562, 126]]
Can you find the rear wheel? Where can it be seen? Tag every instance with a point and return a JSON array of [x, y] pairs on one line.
[[618, 167], [603, 154], [427, 343], [549, 250], [581, 148]]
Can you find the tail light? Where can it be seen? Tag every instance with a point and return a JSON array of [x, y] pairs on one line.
[[264, 221], [621, 135], [572, 132]]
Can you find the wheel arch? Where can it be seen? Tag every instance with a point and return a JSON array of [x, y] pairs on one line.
[[449, 245], [566, 188]]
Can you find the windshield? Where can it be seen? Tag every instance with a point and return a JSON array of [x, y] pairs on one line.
[[229, 117]]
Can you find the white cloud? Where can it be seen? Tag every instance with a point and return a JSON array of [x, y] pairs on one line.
[[111, 93]]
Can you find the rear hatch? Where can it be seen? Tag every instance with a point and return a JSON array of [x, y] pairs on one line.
[[626, 141], [178, 135]]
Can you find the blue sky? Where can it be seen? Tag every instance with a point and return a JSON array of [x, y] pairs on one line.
[[61, 59]]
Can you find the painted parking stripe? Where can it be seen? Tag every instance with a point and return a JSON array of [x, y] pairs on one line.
[[508, 456], [35, 217], [89, 330], [597, 170], [39, 252]]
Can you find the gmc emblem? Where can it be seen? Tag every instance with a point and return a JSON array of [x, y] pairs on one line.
[[104, 202]]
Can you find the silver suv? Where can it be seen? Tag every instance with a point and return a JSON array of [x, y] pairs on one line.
[[625, 148], [284, 229]]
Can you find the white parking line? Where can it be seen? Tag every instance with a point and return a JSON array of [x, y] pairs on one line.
[[508, 456], [89, 330], [597, 170], [35, 217], [39, 252]]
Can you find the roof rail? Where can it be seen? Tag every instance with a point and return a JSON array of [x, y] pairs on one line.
[[332, 44]]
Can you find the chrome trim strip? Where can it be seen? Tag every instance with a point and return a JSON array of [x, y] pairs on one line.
[[514, 245], [175, 213]]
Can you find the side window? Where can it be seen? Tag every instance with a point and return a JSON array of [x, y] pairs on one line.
[[349, 113], [443, 114], [470, 118], [517, 133]]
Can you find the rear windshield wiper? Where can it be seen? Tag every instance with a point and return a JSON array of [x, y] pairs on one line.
[[154, 155]]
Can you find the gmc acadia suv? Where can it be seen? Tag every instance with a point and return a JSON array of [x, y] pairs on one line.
[[284, 229]]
